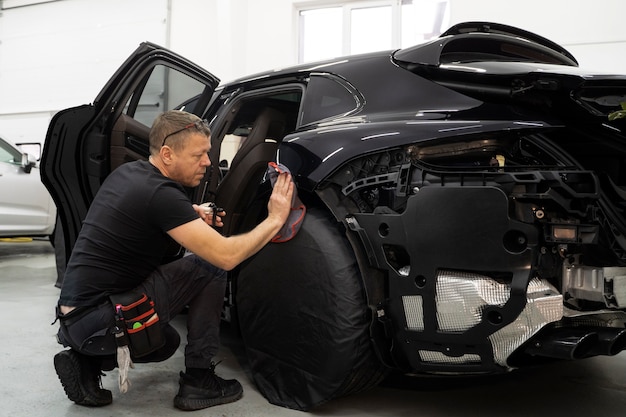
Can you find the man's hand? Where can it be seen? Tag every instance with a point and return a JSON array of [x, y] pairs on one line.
[[210, 217], [279, 205]]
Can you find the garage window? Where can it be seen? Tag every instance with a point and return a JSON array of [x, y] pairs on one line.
[[328, 31]]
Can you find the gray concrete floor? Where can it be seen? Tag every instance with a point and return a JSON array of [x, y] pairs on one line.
[[29, 385]]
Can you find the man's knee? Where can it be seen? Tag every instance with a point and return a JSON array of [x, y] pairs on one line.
[[88, 330]]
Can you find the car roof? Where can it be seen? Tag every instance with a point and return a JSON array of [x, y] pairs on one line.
[[468, 41]]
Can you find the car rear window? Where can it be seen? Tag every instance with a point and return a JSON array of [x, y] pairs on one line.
[[480, 48]]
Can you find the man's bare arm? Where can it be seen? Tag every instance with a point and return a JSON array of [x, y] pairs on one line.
[[228, 252]]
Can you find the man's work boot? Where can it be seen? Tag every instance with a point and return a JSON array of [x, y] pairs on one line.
[[80, 376], [210, 390]]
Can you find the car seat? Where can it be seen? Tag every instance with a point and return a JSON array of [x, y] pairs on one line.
[[249, 164]]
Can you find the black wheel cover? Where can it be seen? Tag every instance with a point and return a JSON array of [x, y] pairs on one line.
[[303, 316]]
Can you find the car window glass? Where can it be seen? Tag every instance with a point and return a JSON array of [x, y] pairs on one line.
[[163, 89], [8, 154], [157, 91], [480, 49], [326, 97]]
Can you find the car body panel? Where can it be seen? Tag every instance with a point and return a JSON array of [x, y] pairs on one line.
[[26, 208], [322, 157]]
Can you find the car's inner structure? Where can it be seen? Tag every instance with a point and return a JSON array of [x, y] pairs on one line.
[[517, 246]]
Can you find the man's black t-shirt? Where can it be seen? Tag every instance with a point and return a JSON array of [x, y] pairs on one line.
[[123, 238]]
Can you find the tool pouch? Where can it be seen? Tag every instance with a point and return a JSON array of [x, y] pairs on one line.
[[137, 323]]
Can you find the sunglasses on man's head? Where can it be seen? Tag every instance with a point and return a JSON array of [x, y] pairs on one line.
[[200, 124]]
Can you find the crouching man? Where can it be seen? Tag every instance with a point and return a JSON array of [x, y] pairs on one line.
[[138, 211]]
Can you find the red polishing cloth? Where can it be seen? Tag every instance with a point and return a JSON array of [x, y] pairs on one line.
[[296, 216]]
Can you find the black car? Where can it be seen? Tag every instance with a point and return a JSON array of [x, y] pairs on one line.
[[465, 204]]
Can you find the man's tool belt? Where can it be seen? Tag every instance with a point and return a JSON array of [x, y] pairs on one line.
[[137, 323]]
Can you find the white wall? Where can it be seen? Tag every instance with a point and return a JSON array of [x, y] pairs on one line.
[[59, 54], [234, 38]]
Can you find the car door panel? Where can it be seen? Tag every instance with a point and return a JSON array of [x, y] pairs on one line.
[[84, 144], [24, 203], [129, 141]]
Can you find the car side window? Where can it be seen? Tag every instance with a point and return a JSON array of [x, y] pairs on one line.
[[164, 89], [159, 90], [8, 154], [327, 96], [260, 118]]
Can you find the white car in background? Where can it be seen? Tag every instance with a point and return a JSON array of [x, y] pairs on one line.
[[26, 208]]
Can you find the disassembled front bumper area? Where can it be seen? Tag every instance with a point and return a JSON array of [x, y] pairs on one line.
[[491, 261]]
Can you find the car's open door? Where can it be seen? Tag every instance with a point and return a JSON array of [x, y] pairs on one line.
[[85, 143]]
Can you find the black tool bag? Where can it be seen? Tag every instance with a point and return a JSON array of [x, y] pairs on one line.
[[137, 323]]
